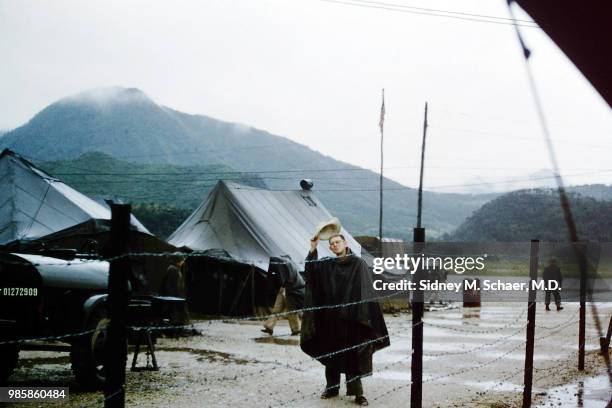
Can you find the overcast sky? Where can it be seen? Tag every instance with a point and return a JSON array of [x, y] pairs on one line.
[[312, 71]]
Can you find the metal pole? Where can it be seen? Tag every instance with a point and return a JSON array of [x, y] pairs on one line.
[[252, 273], [420, 201], [531, 316], [605, 341], [380, 209], [416, 388], [581, 248], [118, 296]]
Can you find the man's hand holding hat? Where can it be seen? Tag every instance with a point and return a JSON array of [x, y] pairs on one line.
[[314, 241]]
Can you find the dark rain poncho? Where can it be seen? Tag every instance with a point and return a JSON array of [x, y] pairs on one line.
[[336, 281]]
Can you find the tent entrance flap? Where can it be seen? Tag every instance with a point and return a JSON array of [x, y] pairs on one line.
[[220, 287]]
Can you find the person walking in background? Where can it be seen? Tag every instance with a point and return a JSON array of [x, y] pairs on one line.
[[552, 273], [174, 285], [284, 273]]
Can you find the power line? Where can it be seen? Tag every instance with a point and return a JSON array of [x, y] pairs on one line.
[[390, 188], [442, 11], [194, 187], [403, 9], [255, 172]]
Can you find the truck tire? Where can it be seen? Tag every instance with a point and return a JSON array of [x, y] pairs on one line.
[[87, 352], [8, 362]]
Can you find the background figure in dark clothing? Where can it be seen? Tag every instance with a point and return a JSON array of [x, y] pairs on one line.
[[552, 273], [336, 281], [174, 285]]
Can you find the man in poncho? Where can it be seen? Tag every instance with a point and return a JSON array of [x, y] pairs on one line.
[[343, 338]]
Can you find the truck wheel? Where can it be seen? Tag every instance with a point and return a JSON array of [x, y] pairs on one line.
[[87, 352], [8, 361]]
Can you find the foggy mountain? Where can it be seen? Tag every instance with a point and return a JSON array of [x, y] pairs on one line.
[[126, 124]]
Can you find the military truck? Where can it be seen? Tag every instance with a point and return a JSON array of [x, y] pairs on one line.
[[55, 304]]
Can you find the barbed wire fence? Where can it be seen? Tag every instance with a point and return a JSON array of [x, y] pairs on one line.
[[513, 324]]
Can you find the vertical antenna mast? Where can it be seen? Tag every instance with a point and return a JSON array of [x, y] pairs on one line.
[[420, 202], [382, 133]]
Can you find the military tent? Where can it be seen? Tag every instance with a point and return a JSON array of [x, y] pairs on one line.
[[236, 230], [34, 204], [582, 30], [39, 212]]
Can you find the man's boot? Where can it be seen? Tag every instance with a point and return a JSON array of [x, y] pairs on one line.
[[559, 307], [548, 308]]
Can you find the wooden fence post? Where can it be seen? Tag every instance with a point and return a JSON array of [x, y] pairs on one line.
[[531, 316], [118, 297]]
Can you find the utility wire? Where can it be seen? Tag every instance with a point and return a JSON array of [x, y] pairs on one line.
[[380, 3], [402, 9], [503, 181]]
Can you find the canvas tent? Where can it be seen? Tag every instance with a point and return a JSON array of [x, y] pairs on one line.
[[39, 211], [34, 204], [236, 230], [253, 224], [583, 32]]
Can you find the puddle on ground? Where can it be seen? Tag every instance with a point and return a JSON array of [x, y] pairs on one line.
[[207, 355], [495, 385], [464, 325], [587, 347], [445, 333], [387, 358], [37, 362], [520, 355], [52, 366], [277, 340], [592, 392], [458, 349], [436, 307], [394, 375]]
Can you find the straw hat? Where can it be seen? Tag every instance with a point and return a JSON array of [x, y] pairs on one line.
[[328, 229]]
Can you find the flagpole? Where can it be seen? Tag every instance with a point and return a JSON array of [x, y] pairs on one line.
[[382, 134]]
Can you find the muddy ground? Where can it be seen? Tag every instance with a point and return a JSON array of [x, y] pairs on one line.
[[473, 358]]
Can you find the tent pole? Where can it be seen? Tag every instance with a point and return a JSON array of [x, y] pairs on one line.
[[239, 293], [219, 298], [253, 288]]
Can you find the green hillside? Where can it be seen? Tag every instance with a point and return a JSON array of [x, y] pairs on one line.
[[597, 191], [163, 195], [536, 214]]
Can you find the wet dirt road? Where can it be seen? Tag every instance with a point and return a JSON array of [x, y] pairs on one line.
[[472, 358]]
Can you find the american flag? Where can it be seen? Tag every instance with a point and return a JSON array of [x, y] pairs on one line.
[[381, 123]]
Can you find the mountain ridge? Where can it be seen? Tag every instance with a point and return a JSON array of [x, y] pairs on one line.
[[529, 214], [128, 125]]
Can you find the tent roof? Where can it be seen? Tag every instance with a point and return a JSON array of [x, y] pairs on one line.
[[34, 203], [582, 30], [253, 224]]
